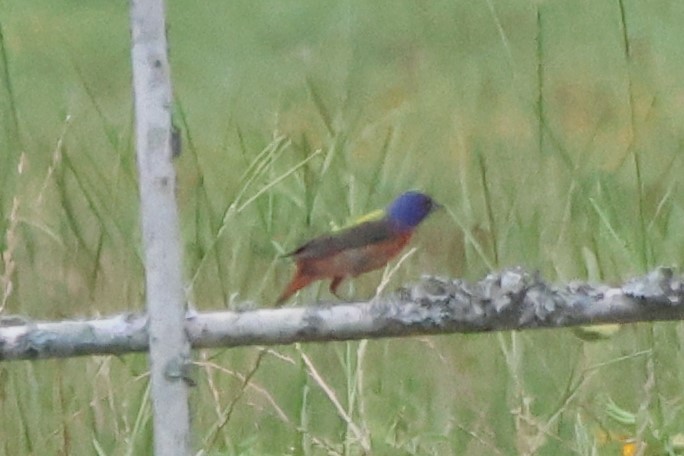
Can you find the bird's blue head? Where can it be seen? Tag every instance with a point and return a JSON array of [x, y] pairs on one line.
[[411, 208]]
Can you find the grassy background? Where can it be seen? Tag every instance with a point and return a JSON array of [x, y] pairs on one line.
[[552, 131]]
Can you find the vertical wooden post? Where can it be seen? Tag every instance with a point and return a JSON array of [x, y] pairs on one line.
[[169, 346]]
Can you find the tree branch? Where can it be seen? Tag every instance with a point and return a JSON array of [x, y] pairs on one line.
[[510, 300]]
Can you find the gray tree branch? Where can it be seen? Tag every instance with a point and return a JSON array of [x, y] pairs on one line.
[[511, 300]]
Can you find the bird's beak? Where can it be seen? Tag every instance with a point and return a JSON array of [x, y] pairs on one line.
[[436, 206]]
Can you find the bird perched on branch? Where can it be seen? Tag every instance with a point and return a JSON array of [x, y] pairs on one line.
[[359, 248]]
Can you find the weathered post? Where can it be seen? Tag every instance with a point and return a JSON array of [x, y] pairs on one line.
[[168, 344]]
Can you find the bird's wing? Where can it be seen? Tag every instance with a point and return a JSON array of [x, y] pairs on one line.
[[366, 233]]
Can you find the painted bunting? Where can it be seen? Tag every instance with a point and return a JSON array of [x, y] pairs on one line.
[[359, 248]]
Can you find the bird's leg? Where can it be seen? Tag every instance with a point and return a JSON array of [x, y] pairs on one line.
[[336, 281]]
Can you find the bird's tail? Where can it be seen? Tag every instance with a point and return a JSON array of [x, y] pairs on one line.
[[298, 282]]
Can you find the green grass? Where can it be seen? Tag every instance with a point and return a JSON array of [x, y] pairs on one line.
[[551, 131]]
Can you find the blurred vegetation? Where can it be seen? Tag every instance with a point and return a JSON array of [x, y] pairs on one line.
[[552, 132]]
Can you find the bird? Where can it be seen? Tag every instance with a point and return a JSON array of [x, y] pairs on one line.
[[360, 248]]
